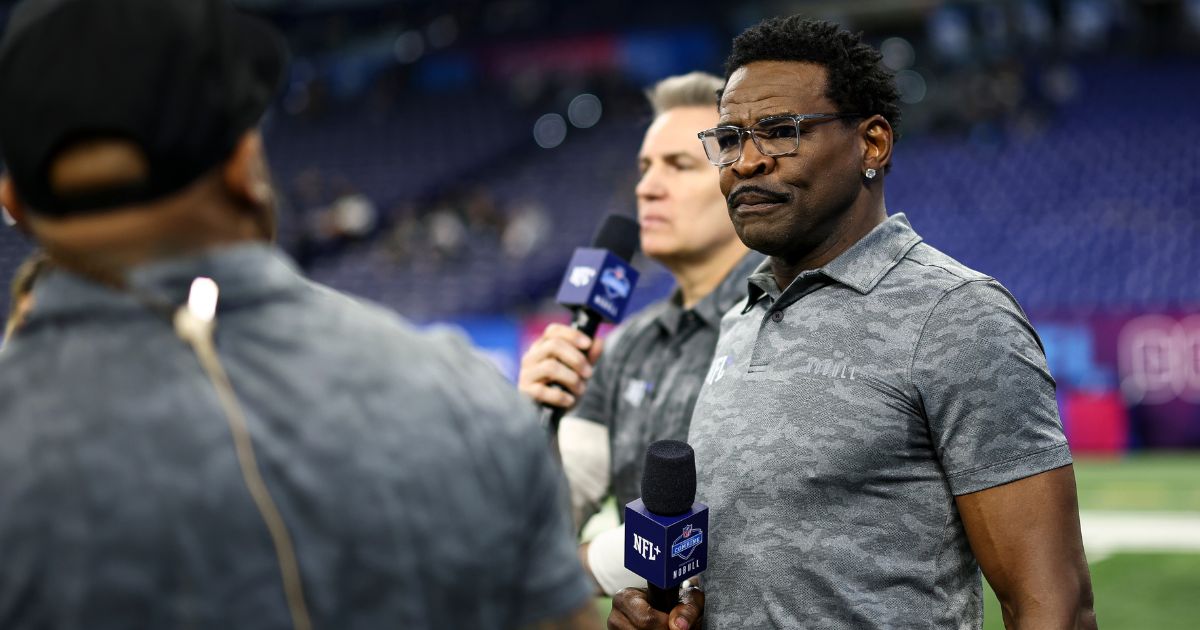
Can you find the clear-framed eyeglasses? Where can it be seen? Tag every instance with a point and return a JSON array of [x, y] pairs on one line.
[[774, 136]]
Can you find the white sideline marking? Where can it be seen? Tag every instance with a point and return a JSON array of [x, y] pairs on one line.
[[1105, 533]]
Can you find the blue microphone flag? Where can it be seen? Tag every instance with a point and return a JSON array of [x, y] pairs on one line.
[[599, 281], [666, 550]]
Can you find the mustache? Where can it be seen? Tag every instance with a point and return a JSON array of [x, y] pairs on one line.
[[769, 196]]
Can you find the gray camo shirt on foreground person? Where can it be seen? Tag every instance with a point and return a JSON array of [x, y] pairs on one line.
[[414, 480], [839, 420]]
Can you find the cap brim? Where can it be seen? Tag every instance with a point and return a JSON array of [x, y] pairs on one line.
[[263, 47]]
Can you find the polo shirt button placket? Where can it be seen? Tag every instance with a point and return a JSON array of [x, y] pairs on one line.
[[762, 345]]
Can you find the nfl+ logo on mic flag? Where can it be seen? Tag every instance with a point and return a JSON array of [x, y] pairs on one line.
[[666, 550]]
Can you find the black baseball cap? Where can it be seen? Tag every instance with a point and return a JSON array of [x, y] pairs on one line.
[[182, 79]]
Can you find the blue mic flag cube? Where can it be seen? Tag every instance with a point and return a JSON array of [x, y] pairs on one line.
[[666, 550], [599, 281]]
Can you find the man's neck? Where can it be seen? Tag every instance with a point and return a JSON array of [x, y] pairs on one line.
[[850, 229], [696, 279], [106, 247]]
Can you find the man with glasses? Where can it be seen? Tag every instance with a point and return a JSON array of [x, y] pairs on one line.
[[879, 422], [644, 386]]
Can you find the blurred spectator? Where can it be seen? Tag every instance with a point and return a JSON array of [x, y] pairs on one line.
[[352, 215], [527, 229], [405, 239], [484, 221], [447, 234], [307, 192], [308, 189]]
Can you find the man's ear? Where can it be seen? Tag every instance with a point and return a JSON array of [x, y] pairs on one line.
[[244, 174], [12, 203], [247, 179], [877, 140]]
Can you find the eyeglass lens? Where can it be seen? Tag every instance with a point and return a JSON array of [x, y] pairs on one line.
[[778, 136]]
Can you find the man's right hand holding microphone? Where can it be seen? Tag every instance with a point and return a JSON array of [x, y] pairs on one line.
[[561, 355], [631, 610]]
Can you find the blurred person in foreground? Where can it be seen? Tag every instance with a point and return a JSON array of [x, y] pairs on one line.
[[320, 464], [879, 423], [643, 386], [21, 293]]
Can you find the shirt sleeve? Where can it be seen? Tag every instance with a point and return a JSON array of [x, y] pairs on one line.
[[553, 583], [606, 558], [585, 458], [988, 396]]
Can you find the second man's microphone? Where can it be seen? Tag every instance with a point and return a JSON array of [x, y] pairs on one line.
[[597, 286], [666, 531]]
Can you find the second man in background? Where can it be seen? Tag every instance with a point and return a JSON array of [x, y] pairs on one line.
[[644, 385]]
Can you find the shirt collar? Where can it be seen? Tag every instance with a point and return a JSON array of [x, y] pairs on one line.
[[860, 267], [761, 282], [713, 306], [243, 273]]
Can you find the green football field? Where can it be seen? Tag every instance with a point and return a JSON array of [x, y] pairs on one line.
[[1135, 589], [1138, 590]]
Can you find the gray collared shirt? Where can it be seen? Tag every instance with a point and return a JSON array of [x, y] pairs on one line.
[[646, 382], [413, 479], [838, 421]]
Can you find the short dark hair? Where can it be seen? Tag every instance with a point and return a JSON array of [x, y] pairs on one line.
[[857, 81]]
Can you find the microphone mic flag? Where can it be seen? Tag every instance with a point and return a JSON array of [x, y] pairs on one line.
[[597, 286], [666, 531], [599, 279]]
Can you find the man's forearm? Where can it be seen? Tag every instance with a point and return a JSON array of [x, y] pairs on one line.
[[1026, 537], [1056, 610]]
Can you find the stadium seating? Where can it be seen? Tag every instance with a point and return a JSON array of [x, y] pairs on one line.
[[1095, 211]]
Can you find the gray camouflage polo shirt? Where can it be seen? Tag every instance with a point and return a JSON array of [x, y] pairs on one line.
[[645, 384], [838, 421], [413, 479]]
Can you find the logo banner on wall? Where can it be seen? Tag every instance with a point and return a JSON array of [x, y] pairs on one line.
[[1129, 381]]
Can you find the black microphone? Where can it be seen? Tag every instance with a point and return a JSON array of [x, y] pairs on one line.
[[665, 530], [597, 286]]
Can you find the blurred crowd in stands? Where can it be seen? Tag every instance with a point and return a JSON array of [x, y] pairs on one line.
[[329, 214], [423, 144]]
